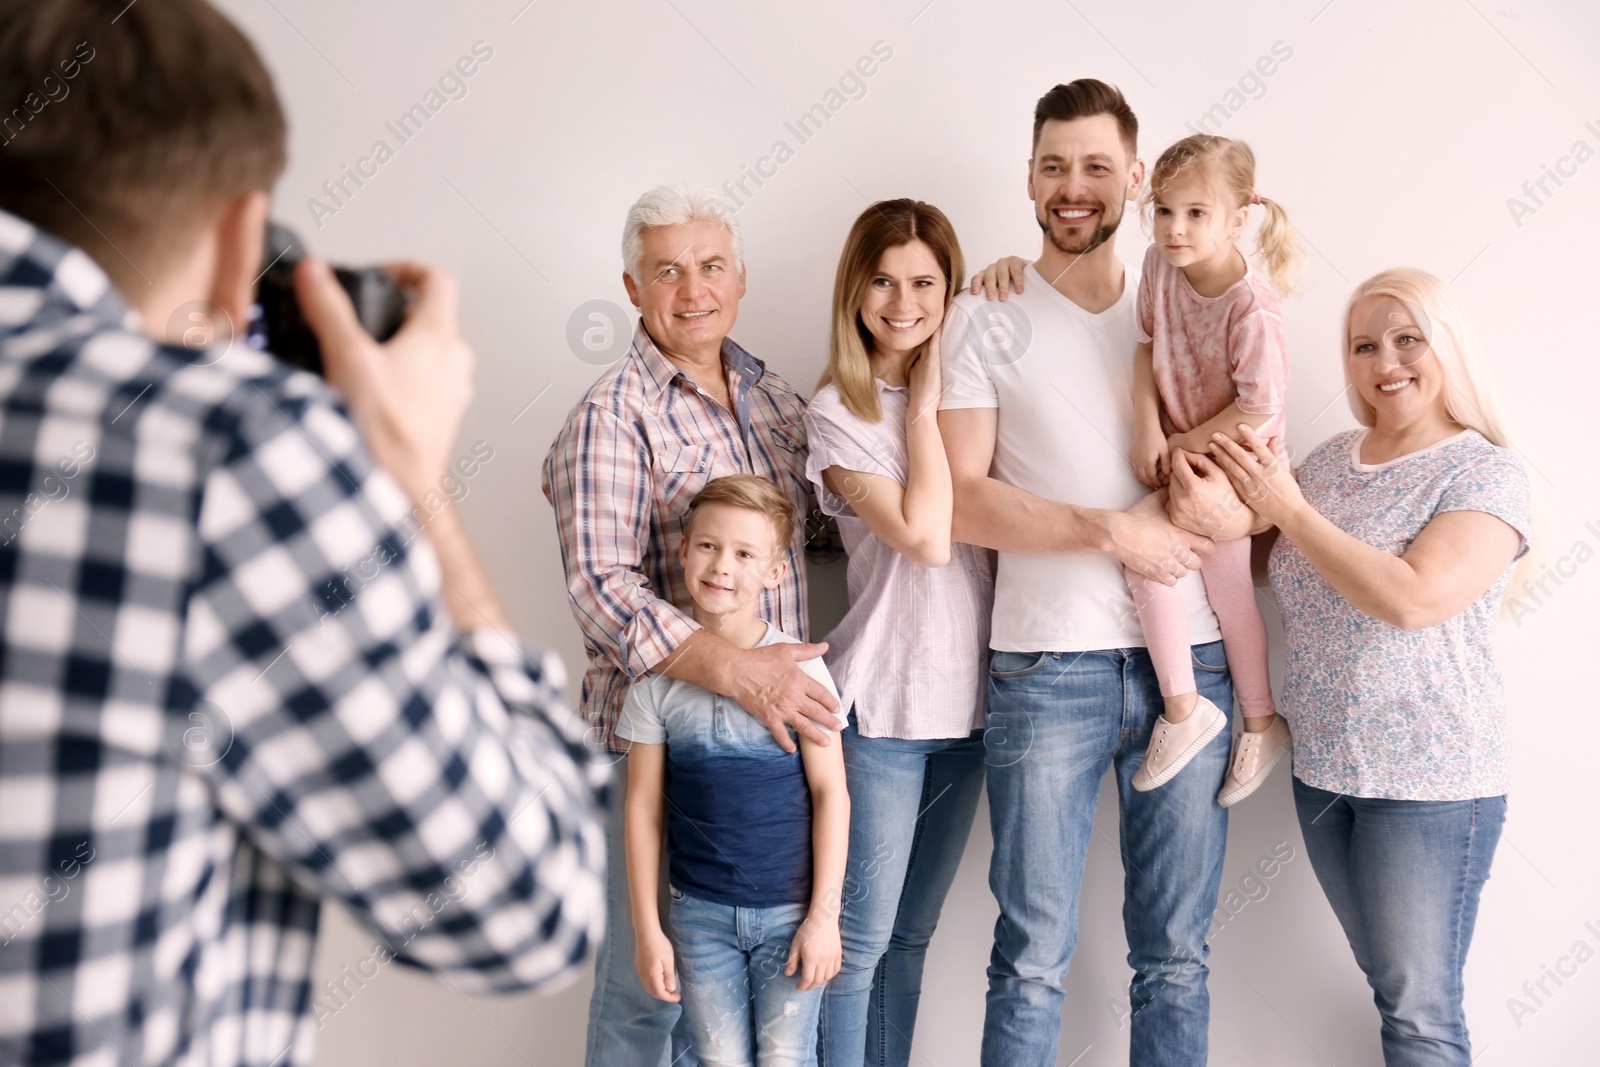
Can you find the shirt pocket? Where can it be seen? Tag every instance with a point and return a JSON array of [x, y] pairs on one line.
[[788, 454], [683, 471], [788, 440]]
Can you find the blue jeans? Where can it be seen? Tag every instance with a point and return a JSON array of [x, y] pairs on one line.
[[627, 1026], [741, 1008], [1057, 721], [1404, 877], [911, 808]]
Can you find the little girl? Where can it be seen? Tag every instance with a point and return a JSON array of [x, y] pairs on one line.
[[1211, 356]]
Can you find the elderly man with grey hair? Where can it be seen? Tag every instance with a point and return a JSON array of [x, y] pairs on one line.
[[684, 406]]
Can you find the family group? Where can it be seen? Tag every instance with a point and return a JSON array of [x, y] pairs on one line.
[[1049, 489]]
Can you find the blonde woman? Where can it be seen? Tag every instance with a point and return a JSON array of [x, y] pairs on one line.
[[1392, 553], [911, 656]]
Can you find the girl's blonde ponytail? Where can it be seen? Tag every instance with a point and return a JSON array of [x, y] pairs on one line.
[[1283, 251], [1232, 166]]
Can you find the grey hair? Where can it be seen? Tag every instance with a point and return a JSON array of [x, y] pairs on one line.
[[676, 205]]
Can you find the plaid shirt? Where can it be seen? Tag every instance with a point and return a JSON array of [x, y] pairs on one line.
[[634, 451], [228, 689]]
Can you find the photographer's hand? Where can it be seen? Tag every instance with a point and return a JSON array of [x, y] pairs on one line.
[[408, 397]]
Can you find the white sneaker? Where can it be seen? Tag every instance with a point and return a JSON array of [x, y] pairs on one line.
[[1174, 744], [1254, 756]]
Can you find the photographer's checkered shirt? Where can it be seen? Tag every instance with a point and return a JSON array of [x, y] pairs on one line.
[[200, 737]]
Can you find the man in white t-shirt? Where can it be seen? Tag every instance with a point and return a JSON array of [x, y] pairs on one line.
[[1037, 418]]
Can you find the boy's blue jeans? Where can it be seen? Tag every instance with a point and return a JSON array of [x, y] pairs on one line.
[[741, 1010]]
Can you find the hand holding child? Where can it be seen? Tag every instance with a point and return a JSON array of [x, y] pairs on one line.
[[652, 956], [816, 952], [1261, 478]]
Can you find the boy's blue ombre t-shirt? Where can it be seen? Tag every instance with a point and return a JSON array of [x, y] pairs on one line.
[[738, 807]]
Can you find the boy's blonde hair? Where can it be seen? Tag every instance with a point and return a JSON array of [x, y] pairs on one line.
[[1230, 166], [752, 493]]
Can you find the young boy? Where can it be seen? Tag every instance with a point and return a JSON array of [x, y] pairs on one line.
[[756, 837]]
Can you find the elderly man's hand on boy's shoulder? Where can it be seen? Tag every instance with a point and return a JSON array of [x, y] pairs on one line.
[[771, 686]]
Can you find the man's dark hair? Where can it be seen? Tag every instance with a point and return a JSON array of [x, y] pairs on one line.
[[1083, 98], [124, 127]]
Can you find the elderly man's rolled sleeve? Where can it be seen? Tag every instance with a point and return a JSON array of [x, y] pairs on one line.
[[597, 478]]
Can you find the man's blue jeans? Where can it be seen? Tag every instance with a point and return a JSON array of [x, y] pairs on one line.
[[627, 1026], [1404, 877], [911, 809], [1057, 721], [740, 1007]]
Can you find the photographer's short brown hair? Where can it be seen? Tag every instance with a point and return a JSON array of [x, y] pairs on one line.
[[124, 128]]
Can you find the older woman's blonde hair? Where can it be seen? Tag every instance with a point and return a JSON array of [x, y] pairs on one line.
[[885, 225], [1468, 386], [1469, 394]]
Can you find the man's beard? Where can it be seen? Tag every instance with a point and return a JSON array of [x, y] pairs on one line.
[[1082, 245]]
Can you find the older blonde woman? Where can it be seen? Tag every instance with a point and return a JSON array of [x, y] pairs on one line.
[[1392, 551]]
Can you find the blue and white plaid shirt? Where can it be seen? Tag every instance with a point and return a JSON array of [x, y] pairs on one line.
[[229, 689]]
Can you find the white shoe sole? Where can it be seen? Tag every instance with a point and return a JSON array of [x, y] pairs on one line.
[[1244, 789], [1182, 761]]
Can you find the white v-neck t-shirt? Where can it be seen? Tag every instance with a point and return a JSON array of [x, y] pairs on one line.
[[1062, 379]]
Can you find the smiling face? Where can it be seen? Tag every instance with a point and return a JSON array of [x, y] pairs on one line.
[[1193, 224], [905, 298], [1079, 179], [688, 288], [729, 555], [1392, 366]]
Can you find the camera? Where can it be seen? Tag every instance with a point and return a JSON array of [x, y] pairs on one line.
[[276, 322]]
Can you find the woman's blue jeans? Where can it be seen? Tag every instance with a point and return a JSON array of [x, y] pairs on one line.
[[911, 807], [1404, 877]]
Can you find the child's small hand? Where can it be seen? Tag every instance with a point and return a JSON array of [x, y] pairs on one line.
[[1149, 455], [816, 951], [652, 956]]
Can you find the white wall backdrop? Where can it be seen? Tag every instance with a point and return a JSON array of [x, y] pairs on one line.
[[1455, 135]]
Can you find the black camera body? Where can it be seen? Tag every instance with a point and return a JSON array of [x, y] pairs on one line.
[[277, 324]]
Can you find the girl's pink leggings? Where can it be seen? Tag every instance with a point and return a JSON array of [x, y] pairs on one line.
[[1244, 635]]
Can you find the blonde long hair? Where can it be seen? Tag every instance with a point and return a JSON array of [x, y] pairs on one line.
[[885, 225], [1230, 166], [1469, 397]]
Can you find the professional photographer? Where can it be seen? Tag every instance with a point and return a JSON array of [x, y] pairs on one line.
[[205, 727]]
